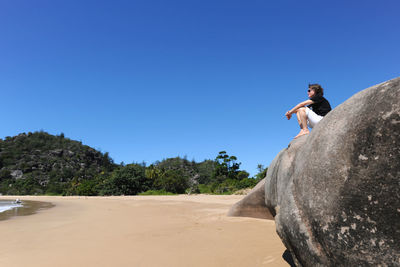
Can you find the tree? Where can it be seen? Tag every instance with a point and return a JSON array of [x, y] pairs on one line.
[[152, 172], [87, 188], [226, 167], [242, 175], [171, 181], [206, 169], [262, 172], [127, 180]]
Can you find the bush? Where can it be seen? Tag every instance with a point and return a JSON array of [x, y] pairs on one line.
[[246, 183], [155, 192], [87, 188], [27, 186], [126, 180], [171, 181], [205, 189]]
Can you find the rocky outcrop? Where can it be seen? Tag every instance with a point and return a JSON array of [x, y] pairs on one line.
[[17, 174], [253, 205], [335, 193]]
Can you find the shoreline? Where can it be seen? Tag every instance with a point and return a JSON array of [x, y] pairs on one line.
[[176, 230], [28, 207]]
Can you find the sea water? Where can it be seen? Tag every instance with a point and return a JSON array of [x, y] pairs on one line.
[[8, 205]]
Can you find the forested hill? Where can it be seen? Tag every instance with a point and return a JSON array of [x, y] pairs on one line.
[[41, 163]]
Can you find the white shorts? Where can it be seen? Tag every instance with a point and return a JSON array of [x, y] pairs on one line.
[[312, 118]]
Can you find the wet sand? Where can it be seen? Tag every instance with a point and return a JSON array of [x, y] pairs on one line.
[[28, 208], [138, 231]]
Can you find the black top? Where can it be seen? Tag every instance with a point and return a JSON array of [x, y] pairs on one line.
[[320, 106]]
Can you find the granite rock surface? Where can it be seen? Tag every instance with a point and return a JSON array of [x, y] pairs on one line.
[[335, 193], [253, 205]]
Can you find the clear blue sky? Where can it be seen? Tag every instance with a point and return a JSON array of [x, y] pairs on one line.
[[150, 79]]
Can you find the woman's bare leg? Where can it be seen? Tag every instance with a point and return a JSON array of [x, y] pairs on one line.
[[302, 119]]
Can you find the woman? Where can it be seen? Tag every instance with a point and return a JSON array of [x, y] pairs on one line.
[[319, 108]]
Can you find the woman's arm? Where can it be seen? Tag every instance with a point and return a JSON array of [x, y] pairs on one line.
[[299, 105]]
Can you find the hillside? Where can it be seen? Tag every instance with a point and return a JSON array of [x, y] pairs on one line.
[[38, 163]]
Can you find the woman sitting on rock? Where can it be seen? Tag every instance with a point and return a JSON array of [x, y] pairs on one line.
[[319, 108]]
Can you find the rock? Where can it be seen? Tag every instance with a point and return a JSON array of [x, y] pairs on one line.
[[17, 174], [56, 152], [336, 192], [253, 205]]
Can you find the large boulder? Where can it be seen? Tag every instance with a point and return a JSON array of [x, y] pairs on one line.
[[336, 192]]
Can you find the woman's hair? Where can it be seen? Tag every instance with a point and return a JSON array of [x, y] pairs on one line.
[[317, 89]]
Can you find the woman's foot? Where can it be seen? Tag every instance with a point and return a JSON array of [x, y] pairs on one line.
[[302, 132]]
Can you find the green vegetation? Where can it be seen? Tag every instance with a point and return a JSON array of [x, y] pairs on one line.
[[156, 192], [39, 163]]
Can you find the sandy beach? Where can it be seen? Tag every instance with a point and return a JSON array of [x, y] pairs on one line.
[[138, 231]]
